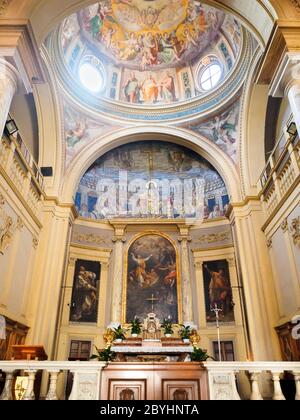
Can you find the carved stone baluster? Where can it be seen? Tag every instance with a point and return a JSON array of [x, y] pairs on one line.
[[52, 395], [278, 395], [7, 393], [297, 383], [255, 395], [29, 394]]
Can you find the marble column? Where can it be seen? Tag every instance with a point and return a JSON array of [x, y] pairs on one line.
[[187, 302], [117, 280], [293, 93], [8, 87]]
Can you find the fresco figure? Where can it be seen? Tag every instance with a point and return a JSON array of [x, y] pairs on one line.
[[150, 90], [167, 86], [131, 89]]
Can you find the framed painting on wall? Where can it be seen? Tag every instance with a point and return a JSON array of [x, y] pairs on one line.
[[218, 291], [152, 279], [85, 295]]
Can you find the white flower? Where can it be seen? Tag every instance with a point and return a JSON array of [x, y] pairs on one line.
[[113, 325]]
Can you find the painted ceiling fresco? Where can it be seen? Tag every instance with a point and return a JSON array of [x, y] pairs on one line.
[[151, 51], [151, 179]]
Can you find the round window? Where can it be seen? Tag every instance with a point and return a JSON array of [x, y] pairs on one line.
[[210, 76], [91, 77]]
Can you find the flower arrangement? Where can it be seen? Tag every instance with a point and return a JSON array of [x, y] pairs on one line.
[[200, 355], [105, 355], [136, 326], [167, 326], [185, 331], [119, 333]]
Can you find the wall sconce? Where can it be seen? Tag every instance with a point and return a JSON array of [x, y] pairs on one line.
[[292, 129], [11, 127]]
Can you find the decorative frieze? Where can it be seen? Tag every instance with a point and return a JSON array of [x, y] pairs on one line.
[[90, 238], [211, 238]]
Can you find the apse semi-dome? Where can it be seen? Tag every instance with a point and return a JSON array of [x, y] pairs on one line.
[[150, 52]]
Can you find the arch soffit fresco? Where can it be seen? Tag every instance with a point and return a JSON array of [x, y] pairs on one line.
[[219, 160]]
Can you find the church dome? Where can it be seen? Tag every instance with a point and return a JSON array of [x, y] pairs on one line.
[[136, 58]]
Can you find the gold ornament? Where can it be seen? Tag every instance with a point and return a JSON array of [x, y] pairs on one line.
[[108, 337], [195, 338]]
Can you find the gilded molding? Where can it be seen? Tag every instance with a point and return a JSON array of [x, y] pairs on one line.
[[295, 230], [214, 238], [269, 243], [3, 6]]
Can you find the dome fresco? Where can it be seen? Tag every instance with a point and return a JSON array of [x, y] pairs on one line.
[[151, 52]]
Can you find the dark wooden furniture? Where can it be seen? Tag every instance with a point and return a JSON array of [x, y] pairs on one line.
[[15, 334], [155, 381], [290, 348]]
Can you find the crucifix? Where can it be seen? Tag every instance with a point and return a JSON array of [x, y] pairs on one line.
[[152, 300], [216, 310]]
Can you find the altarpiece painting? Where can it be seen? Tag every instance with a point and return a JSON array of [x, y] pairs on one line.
[[152, 279]]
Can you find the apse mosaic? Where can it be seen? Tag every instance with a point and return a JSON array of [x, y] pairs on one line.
[[151, 179], [151, 51]]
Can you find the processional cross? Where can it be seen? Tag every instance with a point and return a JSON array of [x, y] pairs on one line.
[[152, 300], [216, 310]]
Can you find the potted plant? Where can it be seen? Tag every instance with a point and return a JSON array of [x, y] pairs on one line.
[[136, 327], [105, 355], [167, 326], [200, 355], [119, 334], [185, 332]]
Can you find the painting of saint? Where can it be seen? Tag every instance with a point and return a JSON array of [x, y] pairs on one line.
[[218, 291], [131, 89], [152, 279], [150, 90], [85, 295], [167, 86]]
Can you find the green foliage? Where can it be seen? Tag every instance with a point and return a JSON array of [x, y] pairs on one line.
[[136, 326], [167, 326], [105, 355], [185, 332], [119, 333], [200, 355]]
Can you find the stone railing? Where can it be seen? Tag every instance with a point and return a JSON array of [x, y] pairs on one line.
[[281, 174], [225, 379], [18, 167]]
